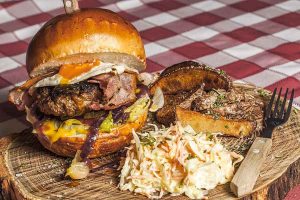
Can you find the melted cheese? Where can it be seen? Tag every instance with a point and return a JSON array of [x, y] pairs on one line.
[[50, 127], [55, 129], [69, 128]]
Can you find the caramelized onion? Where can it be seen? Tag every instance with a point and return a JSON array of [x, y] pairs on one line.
[[146, 78], [157, 100], [78, 169]]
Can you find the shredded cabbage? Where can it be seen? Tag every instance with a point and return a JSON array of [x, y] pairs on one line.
[[177, 160]]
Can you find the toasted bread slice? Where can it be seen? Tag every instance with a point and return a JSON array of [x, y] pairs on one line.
[[206, 123]]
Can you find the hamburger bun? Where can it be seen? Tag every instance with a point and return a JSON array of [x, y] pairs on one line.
[[106, 143], [84, 36]]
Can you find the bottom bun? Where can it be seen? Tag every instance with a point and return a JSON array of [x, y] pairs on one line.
[[106, 143]]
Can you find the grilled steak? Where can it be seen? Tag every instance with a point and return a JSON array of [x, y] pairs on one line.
[[187, 103], [71, 100], [235, 104], [166, 115]]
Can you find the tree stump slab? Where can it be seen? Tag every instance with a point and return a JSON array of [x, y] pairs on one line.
[[28, 171]]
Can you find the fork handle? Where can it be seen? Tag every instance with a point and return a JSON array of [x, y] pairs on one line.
[[247, 174]]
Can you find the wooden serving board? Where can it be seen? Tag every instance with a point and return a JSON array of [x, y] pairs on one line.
[[28, 171]]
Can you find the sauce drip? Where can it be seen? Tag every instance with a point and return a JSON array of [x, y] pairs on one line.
[[70, 71], [143, 90], [91, 138], [118, 114], [73, 184]]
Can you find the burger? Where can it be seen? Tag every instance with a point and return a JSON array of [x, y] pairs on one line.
[[83, 93]]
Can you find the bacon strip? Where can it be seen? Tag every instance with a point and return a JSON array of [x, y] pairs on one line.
[[118, 90], [19, 95]]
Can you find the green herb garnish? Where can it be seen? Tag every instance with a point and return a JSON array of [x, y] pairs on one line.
[[222, 72], [209, 136], [226, 126], [147, 140], [219, 101], [262, 93], [190, 157]]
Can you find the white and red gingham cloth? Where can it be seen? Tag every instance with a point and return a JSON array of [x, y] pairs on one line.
[[254, 41]]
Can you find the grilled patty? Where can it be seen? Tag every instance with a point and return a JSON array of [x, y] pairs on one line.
[[71, 100], [103, 92]]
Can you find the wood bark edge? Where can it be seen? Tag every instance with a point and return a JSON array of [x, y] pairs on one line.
[[8, 190], [277, 190]]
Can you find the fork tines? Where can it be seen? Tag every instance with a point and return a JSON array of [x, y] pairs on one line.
[[279, 113]]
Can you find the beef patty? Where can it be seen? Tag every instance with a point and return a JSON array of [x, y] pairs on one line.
[[102, 92], [69, 100]]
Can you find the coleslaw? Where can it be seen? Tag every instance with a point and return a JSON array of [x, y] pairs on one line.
[[176, 160]]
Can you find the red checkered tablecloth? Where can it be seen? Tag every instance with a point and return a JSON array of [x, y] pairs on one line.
[[254, 41]]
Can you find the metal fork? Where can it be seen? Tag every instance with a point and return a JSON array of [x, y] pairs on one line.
[[247, 174], [278, 116]]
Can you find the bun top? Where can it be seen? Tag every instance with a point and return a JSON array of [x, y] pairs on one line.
[[84, 36]]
